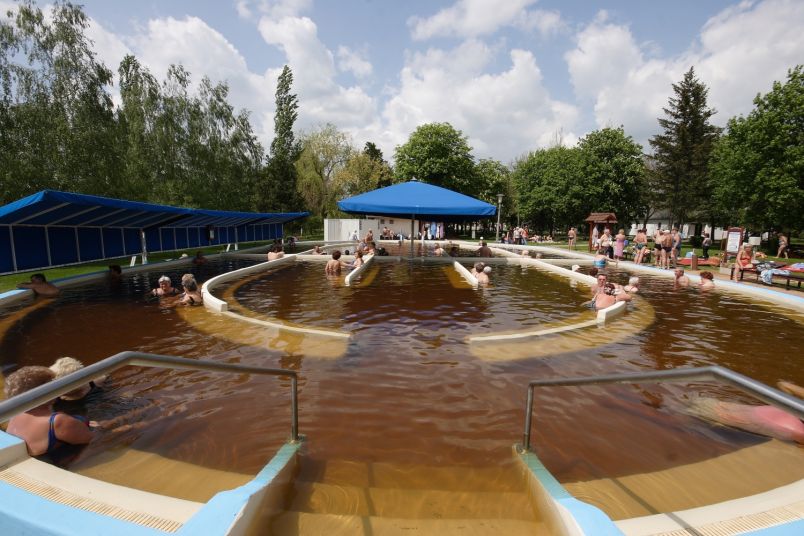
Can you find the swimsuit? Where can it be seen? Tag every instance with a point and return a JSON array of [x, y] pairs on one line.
[[53, 442]]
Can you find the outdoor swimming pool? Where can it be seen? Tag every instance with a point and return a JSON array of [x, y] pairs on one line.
[[408, 385]]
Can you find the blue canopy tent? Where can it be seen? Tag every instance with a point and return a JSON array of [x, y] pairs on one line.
[[415, 199], [52, 228]]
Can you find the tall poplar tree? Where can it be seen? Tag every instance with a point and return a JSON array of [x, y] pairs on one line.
[[277, 187], [681, 151]]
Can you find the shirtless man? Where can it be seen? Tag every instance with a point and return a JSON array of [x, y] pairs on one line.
[[657, 248], [609, 297], [40, 286], [571, 235], [334, 265], [676, 245], [275, 253], [483, 276], [667, 247], [681, 279], [477, 268], [438, 251], [484, 250]]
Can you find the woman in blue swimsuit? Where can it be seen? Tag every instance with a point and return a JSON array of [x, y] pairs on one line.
[[43, 430]]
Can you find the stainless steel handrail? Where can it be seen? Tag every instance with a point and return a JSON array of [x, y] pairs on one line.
[[44, 393], [758, 389]]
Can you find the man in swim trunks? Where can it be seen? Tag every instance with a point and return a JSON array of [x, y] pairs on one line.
[[42, 429], [667, 247], [334, 265], [571, 235], [657, 248]]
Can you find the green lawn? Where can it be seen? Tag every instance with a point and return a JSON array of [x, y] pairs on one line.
[[9, 282]]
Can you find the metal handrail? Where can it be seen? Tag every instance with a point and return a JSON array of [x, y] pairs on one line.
[[44, 393], [758, 389]]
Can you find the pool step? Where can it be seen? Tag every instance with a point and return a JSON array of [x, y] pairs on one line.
[[344, 525], [345, 497], [159, 512]]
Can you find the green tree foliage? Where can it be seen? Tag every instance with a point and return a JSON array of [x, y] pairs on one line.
[[492, 178], [386, 177], [325, 152], [59, 128], [438, 154], [681, 151], [548, 191], [56, 118], [278, 187], [758, 166], [612, 174], [360, 174], [560, 186]]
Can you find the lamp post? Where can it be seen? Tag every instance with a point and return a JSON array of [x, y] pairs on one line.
[[499, 204]]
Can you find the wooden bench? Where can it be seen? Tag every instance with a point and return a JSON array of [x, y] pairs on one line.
[[793, 276]]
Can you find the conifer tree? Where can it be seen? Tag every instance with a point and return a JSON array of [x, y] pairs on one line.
[[681, 151]]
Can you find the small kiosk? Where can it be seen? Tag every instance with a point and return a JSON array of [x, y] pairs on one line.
[[596, 218]]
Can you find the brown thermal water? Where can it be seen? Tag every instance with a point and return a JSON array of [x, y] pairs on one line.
[[408, 387]]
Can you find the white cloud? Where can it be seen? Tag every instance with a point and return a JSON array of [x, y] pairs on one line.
[[742, 50], [243, 9], [321, 98], [353, 61], [474, 18], [547, 23], [502, 114]]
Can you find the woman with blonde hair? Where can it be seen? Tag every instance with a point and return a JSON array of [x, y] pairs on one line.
[[43, 430]]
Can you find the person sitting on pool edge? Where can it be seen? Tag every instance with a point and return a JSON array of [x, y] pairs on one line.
[[44, 431], [40, 286], [334, 265]]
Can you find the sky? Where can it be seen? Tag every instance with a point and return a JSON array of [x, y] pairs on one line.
[[512, 75]]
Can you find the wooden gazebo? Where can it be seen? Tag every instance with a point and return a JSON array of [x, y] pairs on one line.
[[595, 218]]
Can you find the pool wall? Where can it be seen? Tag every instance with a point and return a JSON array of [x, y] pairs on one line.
[[233, 512], [563, 514]]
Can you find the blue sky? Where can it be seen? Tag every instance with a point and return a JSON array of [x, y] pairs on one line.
[[513, 75]]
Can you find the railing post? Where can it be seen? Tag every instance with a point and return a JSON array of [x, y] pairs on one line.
[[528, 417], [294, 408]]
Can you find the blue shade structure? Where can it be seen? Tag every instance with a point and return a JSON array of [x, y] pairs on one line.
[[416, 200], [52, 228]]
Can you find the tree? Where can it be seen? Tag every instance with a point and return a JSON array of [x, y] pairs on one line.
[[548, 187], [277, 186], [495, 178], [758, 166], [612, 174], [57, 125], [681, 152], [324, 153], [438, 154], [360, 174], [386, 177]]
